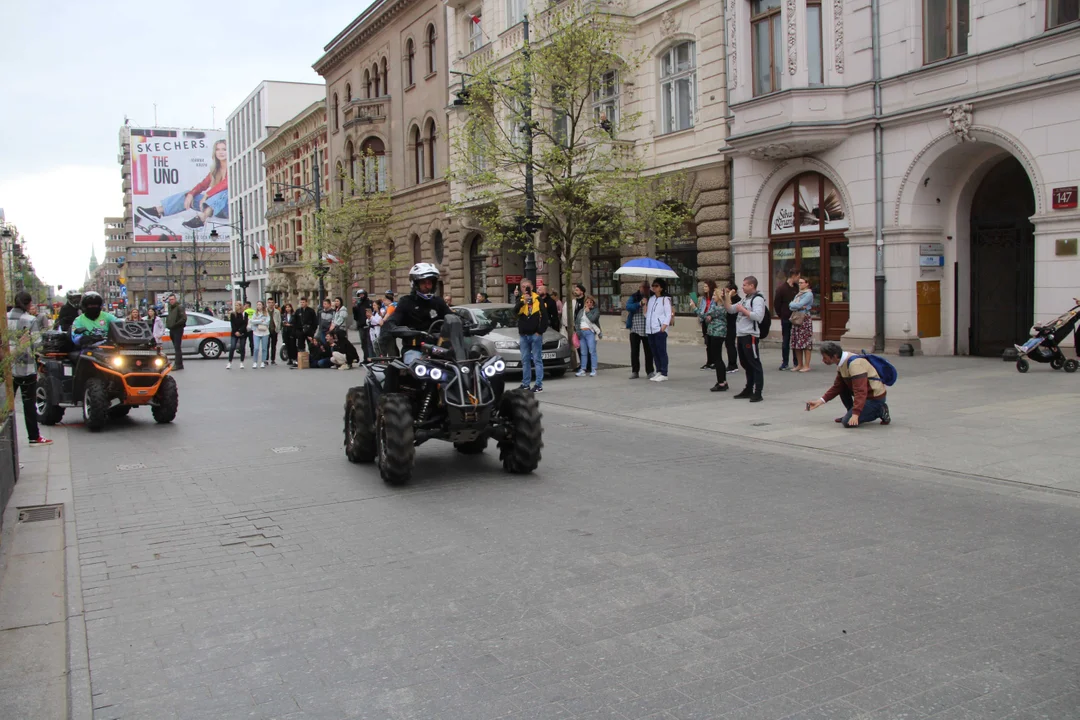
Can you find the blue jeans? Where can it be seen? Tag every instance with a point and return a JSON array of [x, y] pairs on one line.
[[218, 202], [259, 355], [237, 344], [658, 343], [530, 346], [872, 410], [411, 356], [588, 349]]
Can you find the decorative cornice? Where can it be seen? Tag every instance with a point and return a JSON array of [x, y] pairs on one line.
[[359, 32]]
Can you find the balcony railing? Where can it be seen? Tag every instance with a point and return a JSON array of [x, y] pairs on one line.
[[368, 110], [286, 258]]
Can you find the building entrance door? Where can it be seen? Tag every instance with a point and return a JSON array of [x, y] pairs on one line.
[[1002, 260]]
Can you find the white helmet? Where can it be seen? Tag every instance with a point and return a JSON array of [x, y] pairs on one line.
[[423, 271]]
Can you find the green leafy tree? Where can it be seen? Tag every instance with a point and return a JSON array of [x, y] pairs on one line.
[[591, 188]]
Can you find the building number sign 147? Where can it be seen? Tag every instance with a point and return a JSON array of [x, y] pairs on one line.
[[1065, 198]]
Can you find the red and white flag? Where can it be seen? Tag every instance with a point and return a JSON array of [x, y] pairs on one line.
[[475, 19], [331, 259], [262, 251], [272, 251]]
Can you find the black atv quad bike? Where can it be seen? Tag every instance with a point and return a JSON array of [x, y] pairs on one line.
[[124, 369], [452, 393]]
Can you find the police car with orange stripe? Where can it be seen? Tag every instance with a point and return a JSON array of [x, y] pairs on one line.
[[203, 335]]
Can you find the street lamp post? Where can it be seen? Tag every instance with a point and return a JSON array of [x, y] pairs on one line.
[[315, 191], [530, 195], [243, 258]]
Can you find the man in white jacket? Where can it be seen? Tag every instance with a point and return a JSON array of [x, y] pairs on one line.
[[749, 312]]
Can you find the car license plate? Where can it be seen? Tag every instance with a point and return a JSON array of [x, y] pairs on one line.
[[548, 356]]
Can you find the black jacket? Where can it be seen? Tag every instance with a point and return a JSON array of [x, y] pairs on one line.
[[306, 322], [417, 313], [239, 323], [531, 320], [66, 316], [359, 311], [342, 345], [551, 308]]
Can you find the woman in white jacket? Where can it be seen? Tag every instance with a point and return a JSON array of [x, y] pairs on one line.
[[658, 316]]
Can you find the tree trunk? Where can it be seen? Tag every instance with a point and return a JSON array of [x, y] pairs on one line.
[[567, 281]]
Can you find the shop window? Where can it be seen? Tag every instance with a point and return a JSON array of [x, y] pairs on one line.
[[477, 268], [767, 45], [1060, 12], [683, 260], [604, 284], [678, 82], [945, 29]]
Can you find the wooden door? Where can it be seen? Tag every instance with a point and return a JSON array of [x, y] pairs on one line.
[[835, 288], [1002, 279]]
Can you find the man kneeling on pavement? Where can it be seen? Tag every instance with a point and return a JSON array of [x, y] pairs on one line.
[[858, 386]]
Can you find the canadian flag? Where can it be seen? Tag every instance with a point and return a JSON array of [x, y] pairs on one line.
[[331, 259]]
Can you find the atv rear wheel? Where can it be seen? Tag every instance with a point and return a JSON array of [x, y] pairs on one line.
[[1022, 365], [395, 436], [95, 404], [520, 449], [119, 411], [47, 414], [167, 401], [359, 426], [472, 447]]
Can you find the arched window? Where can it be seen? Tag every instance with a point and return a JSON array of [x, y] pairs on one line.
[[375, 80], [348, 92], [417, 144], [410, 53], [417, 256], [430, 133], [385, 79], [374, 158], [336, 124], [807, 224], [678, 87], [437, 248], [477, 268], [431, 67], [367, 84], [340, 181], [350, 159]]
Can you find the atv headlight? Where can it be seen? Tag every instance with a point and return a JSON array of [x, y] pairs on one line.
[[506, 345], [420, 371], [493, 367], [159, 362], [489, 371], [436, 374], [117, 362]]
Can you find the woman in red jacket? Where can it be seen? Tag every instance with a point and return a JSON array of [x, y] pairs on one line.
[[209, 198]]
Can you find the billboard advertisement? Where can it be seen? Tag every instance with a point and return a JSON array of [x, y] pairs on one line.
[[179, 184]]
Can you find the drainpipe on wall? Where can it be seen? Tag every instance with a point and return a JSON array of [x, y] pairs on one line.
[[879, 184], [729, 162]]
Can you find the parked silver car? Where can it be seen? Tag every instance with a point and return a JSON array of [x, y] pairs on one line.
[[504, 338]]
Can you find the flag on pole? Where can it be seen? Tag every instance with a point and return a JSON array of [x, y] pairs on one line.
[[331, 259], [475, 19], [271, 251]]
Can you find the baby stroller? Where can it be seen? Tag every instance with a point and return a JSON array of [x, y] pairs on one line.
[[1045, 344]]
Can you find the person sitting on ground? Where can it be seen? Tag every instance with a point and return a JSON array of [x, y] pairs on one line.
[[343, 347], [858, 386], [319, 352]]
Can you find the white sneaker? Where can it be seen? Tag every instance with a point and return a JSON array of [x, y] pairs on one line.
[[241, 364], [228, 366], [262, 365], [660, 378]]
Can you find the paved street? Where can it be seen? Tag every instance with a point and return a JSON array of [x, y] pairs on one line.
[[659, 564]]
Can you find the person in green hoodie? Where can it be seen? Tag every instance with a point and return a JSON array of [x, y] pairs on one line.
[[175, 321]]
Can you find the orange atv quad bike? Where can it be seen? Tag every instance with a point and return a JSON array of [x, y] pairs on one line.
[[125, 369]]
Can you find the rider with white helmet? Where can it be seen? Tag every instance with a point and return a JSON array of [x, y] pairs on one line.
[[419, 309]]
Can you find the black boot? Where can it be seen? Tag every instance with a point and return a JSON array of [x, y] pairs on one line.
[[745, 394]]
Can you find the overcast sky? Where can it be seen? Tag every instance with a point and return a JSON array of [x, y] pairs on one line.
[[70, 70]]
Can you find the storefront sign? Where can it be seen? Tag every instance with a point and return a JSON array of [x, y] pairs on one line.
[[932, 261], [1065, 198], [932, 249], [783, 253], [513, 279]]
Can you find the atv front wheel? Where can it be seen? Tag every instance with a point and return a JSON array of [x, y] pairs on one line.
[[359, 428], [95, 404], [47, 413], [472, 447], [520, 449], [394, 429], [167, 401]]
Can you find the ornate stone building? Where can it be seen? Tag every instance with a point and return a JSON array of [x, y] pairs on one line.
[[289, 154], [680, 93], [932, 202], [386, 86]]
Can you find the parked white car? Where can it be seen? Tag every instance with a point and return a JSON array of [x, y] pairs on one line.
[[204, 335]]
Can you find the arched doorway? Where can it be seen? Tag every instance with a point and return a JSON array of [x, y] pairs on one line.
[[806, 233], [1002, 259]]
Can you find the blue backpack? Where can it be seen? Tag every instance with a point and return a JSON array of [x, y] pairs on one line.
[[885, 369]]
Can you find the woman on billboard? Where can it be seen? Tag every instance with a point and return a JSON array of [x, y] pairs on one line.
[[210, 197]]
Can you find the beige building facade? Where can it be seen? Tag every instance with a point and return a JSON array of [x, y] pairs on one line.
[[386, 86], [679, 92], [950, 176]]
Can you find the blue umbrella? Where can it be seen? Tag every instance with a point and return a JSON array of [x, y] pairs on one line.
[[646, 267]]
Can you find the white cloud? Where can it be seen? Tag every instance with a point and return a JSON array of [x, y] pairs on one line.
[[60, 214]]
